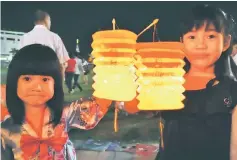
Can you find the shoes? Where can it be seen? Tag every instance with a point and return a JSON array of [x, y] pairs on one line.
[[71, 92]]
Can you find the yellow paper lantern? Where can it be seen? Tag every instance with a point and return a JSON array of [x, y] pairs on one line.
[[114, 72], [160, 75]]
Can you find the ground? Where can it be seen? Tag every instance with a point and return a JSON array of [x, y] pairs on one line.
[[132, 128]]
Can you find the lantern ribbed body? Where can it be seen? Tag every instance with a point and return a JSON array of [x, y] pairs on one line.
[[115, 77], [160, 75]]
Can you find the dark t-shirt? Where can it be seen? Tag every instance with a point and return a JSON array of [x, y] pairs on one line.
[[201, 131]]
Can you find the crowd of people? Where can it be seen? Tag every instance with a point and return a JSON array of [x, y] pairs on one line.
[[76, 67]]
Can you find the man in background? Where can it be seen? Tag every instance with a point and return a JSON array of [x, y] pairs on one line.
[[41, 34]]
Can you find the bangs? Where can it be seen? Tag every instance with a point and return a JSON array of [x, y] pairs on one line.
[[201, 15], [39, 68], [36, 60]]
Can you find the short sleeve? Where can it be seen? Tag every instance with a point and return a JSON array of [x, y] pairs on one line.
[[61, 50]]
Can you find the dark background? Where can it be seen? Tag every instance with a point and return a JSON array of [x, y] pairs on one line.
[[73, 20]]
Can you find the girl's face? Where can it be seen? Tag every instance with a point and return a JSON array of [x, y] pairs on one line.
[[203, 47], [35, 89]]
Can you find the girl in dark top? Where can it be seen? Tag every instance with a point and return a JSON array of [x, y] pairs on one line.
[[206, 129]]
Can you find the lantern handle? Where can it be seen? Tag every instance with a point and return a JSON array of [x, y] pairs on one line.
[[153, 23], [116, 116], [113, 22]]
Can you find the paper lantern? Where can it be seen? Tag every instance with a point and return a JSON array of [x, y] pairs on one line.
[[115, 77], [160, 75]]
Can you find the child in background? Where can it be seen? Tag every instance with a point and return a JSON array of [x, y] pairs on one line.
[[78, 71], [69, 72], [86, 70]]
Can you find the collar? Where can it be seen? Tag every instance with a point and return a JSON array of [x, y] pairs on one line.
[[40, 26]]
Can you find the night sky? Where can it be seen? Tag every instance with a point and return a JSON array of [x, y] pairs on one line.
[[73, 20]]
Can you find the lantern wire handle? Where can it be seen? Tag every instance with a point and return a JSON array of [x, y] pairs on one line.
[[154, 33], [113, 22], [153, 23], [116, 116], [161, 126], [116, 103]]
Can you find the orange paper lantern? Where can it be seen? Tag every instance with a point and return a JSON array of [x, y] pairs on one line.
[[160, 75]]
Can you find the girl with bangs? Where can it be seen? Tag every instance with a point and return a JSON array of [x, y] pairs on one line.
[[38, 124], [206, 129]]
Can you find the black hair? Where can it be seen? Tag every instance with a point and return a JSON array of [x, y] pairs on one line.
[[34, 59], [40, 16], [72, 55], [223, 23]]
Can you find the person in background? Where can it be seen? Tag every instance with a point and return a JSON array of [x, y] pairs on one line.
[[78, 71], [41, 34], [86, 70], [69, 73]]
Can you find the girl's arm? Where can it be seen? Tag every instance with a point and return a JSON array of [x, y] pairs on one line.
[[86, 114], [233, 144]]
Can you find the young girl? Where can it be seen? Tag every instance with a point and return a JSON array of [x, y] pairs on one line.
[[206, 129], [38, 123]]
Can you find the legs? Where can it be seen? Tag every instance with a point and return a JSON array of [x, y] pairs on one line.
[[76, 83], [69, 76], [85, 78]]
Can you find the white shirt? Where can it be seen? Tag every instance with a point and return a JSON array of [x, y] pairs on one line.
[[85, 63], [79, 68], [41, 35]]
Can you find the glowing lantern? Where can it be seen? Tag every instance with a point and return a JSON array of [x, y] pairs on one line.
[[160, 75], [115, 77]]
